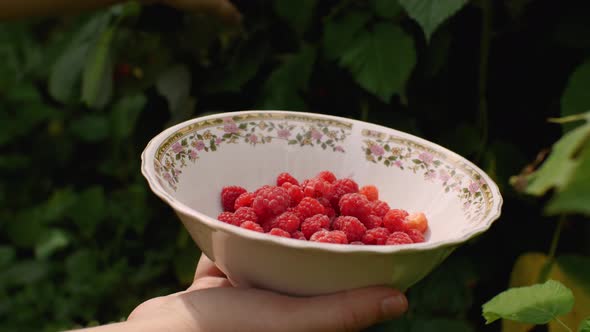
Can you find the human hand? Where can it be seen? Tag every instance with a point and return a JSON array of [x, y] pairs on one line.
[[211, 304]]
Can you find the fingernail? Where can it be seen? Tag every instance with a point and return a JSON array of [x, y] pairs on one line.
[[394, 306]]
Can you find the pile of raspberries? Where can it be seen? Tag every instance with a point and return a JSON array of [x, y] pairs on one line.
[[321, 209]]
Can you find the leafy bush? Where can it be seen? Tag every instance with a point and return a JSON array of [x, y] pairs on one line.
[[84, 240]]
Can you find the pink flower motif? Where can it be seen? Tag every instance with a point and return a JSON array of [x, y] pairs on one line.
[[466, 205], [192, 155], [253, 138], [426, 157], [316, 134], [177, 147], [176, 172], [443, 175], [398, 163], [473, 187], [430, 175], [199, 145], [482, 181], [217, 141], [338, 149], [230, 127], [228, 120], [284, 133], [377, 150], [168, 177]]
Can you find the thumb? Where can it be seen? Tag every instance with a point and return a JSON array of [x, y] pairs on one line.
[[351, 310]]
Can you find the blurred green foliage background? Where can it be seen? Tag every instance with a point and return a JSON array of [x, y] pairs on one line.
[[83, 240]]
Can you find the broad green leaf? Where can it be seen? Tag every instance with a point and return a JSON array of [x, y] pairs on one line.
[[7, 255], [97, 78], [175, 84], [288, 81], [129, 207], [23, 273], [24, 230], [297, 14], [574, 196], [537, 304], [575, 98], [340, 32], [386, 8], [50, 242], [89, 210], [124, 115], [58, 204], [437, 52], [91, 127], [381, 60], [431, 13], [584, 325]]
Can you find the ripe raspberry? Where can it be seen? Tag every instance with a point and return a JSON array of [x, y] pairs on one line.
[[279, 232], [394, 220], [370, 192], [244, 200], [339, 188], [229, 195], [252, 226], [355, 205], [246, 214], [286, 177], [415, 235], [229, 218], [398, 238], [271, 201], [287, 221], [316, 188], [313, 224], [372, 221], [327, 176], [264, 187], [328, 210], [377, 235], [417, 221], [351, 226], [357, 243], [309, 207], [295, 193], [329, 237], [298, 235], [380, 208]]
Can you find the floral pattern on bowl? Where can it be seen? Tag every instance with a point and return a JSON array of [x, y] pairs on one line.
[[187, 145], [456, 178]]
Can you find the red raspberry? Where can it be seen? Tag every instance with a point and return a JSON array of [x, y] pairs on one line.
[[316, 188], [295, 193], [298, 235], [372, 221], [370, 192], [309, 207], [228, 217], [380, 208], [279, 232], [246, 214], [264, 187], [357, 243], [271, 201], [328, 210], [329, 237], [417, 221], [398, 238], [415, 235], [286, 177], [229, 195], [394, 220], [287, 221], [327, 176], [355, 205], [377, 235], [252, 226], [244, 200], [351, 226], [339, 188], [313, 224]]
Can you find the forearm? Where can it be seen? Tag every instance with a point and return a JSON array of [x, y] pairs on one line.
[[15, 9]]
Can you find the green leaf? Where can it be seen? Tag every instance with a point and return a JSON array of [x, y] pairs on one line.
[[24, 230], [537, 304], [381, 60], [431, 13], [575, 98], [584, 325], [24, 272], [297, 14], [97, 78], [340, 32], [386, 8], [285, 84], [51, 242], [89, 210], [7, 255], [124, 115], [174, 84], [91, 127], [65, 74]]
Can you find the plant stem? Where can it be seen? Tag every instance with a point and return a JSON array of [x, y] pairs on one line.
[[563, 324], [484, 54], [569, 118], [364, 110], [552, 249]]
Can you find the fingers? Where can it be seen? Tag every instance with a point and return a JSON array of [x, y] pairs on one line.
[[206, 268], [223, 9]]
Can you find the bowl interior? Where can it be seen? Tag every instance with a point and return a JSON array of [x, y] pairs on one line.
[[194, 160]]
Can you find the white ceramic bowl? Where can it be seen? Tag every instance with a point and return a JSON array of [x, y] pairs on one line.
[[188, 164]]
